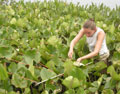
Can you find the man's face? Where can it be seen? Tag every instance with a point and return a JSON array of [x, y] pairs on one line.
[[89, 32]]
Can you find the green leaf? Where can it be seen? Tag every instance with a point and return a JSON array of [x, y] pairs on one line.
[[81, 48], [93, 89], [3, 73], [96, 84], [116, 58], [31, 55], [18, 81], [53, 40], [118, 86], [112, 28], [45, 92], [117, 47], [81, 91], [100, 66], [50, 86], [44, 50], [51, 65], [70, 91], [37, 72], [13, 67], [13, 21], [99, 81], [27, 91], [62, 51], [12, 92], [6, 52], [71, 82], [2, 91], [110, 83], [6, 84], [31, 69], [78, 73], [21, 23], [113, 73], [46, 74], [118, 92], [29, 75], [107, 91], [68, 65]]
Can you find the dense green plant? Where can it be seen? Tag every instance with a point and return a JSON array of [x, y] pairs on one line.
[[34, 43]]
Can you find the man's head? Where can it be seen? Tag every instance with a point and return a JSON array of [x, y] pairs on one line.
[[89, 27]]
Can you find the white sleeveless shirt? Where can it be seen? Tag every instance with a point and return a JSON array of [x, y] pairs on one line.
[[92, 42]]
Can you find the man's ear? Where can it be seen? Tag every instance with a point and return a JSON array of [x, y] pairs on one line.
[[95, 29]]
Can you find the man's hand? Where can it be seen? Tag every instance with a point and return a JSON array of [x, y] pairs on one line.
[[70, 53], [79, 59]]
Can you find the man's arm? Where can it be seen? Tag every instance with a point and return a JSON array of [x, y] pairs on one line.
[[76, 39], [98, 45]]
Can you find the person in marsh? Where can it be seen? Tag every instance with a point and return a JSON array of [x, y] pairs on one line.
[[96, 40]]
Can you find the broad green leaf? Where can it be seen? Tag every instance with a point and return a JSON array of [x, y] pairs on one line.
[[107, 91], [45, 92], [3, 73], [10, 10], [31, 55], [42, 32], [27, 91], [112, 28], [81, 47], [96, 85], [68, 65], [117, 47], [81, 91], [99, 81], [12, 92], [70, 91], [46, 74], [33, 43], [21, 71], [71, 82], [6, 84], [18, 81], [110, 83], [100, 66], [62, 51], [2, 91], [116, 58], [53, 40], [118, 92], [13, 21], [51, 86], [79, 74], [44, 51], [29, 75], [51, 65], [118, 86], [113, 73], [37, 73], [6, 52], [13, 67], [21, 23], [31, 69], [93, 89]]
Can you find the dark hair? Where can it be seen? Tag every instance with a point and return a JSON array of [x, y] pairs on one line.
[[90, 24], [91, 19]]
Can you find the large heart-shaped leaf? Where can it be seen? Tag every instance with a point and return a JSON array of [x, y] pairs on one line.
[[3, 73], [46, 74]]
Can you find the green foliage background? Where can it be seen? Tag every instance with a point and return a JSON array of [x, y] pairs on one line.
[[34, 43]]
